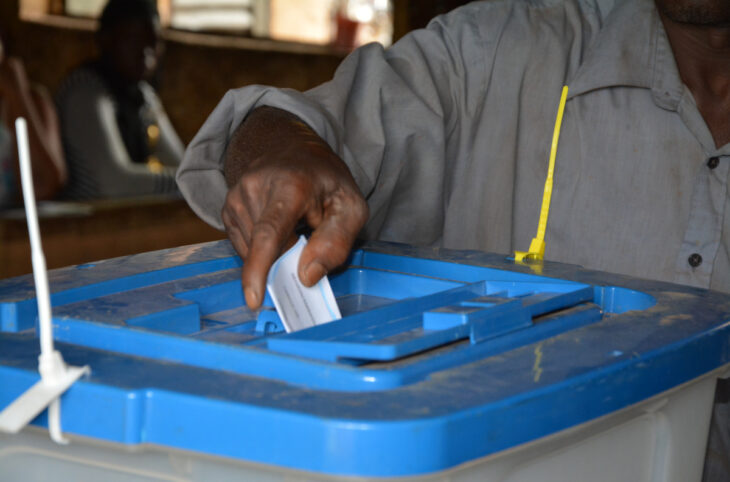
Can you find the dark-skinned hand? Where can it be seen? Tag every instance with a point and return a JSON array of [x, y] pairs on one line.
[[279, 173]]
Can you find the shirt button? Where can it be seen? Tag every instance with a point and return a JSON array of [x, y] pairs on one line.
[[694, 260], [713, 162]]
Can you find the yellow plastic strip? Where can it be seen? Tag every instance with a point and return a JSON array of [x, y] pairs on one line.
[[537, 246]]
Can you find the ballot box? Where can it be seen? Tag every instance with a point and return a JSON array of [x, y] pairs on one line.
[[446, 365]]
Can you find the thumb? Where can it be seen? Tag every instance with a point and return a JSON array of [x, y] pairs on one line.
[[332, 240]]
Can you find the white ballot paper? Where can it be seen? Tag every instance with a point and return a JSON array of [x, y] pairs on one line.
[[300, 307]]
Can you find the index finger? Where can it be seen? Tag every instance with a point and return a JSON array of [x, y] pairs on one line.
[[273, 230]]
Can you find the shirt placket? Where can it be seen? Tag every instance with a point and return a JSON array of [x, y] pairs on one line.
[[704, 228]]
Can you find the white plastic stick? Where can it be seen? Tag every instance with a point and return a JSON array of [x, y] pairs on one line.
[[36, 250], [56, 377]]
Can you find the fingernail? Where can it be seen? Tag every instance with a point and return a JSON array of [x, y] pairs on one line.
[[313, 273], [252, 297]]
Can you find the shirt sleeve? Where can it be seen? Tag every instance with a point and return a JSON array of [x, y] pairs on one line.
[[387, 113], [98, 160]]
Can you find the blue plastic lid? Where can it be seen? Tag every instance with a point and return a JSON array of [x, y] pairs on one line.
[[441, 356]]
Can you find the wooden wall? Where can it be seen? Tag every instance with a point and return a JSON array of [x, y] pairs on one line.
[[195, 77]]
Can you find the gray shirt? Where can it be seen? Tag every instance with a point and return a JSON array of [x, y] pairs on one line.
[[448, 134]]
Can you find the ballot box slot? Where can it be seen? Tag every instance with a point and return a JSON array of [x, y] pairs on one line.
[[420, 365], [422, 324]]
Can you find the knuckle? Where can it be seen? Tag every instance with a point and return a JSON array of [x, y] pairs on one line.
[[333, 249], [233, 197], [234, 211], [239, 211], [336, 257], [294, 188], [249, 183], [280, 205], [355, 206], [266, 230]]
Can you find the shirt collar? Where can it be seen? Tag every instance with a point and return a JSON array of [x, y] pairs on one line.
[[631, 50]]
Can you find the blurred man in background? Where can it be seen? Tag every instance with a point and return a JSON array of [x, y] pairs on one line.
[[116, 134]]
